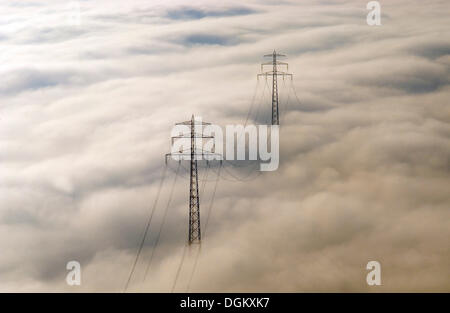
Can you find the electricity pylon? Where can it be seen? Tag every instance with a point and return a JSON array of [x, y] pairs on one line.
[[192, 155], [275, 73]]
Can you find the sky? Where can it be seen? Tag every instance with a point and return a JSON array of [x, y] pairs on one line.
[[86, 111]]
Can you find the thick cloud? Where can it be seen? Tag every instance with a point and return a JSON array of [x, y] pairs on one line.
[[85, 119]]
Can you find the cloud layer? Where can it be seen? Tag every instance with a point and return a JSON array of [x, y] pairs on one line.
[[85, 118]]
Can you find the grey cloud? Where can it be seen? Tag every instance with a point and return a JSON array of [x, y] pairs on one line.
[[161, 15], [204, 39], [432, 49], [364, 154], [20, 80], [190, 13], [411, 76]]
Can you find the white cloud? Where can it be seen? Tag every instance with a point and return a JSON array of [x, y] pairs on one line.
[[85, 120]]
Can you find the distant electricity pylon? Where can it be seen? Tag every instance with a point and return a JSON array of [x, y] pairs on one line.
[[192, 155], [275, 73]]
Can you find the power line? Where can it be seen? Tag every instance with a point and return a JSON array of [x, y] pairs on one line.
[[194, 235], [284, 104], [266, 85], [252, 103], [179, 269], [162, 224], [212, 200], [295, 93], [202, 189], [149, 220]]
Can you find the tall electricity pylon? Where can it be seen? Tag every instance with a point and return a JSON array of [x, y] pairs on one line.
[[192, 155], [275, 73]]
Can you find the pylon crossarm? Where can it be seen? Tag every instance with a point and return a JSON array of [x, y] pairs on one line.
[[195, 123], [276, 54], [271, 64], [190, 137], [284, 63], [271, 73], [196, 155], [264, 64], [195, 136]]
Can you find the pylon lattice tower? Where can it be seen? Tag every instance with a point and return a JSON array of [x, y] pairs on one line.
[[275, 73], [194, 198]]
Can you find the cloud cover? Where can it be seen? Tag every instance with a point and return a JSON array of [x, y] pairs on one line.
[[85, 119]]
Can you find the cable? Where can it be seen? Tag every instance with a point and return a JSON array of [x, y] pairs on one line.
[[211, 203], [194, 268], [262, 97], [248, 176], [284, 105], [179, 269], [186, 176], [295, 93], [162, 224], [202, 189], [252, 103], [146, 229]]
